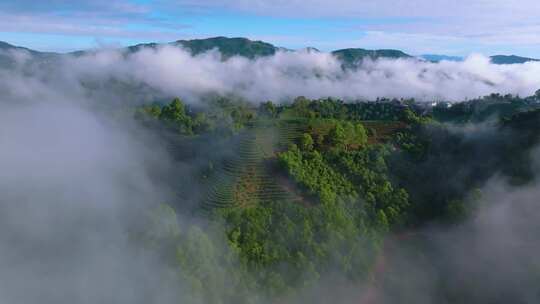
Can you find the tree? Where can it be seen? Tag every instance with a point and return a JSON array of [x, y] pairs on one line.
[[268, 108], [149, 111], [357, 135], [301, 102], [320, 140], [337, 136], [306, 142], [162, 226], [382, 221], [456, 211], [175, 111], [346, 135], [409, 116], [153, 110], [175, 114], [301, 107], [201, 123]]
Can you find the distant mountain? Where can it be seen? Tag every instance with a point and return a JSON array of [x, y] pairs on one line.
[[138, 47], [512, 59], [252, 49], [244, 47], [7, 60], [229, 47], [439, 58], [351, 57], [4, 46], [497, 59]]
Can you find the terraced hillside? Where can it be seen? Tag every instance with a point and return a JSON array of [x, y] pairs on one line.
[[382, 131], [249, 177]]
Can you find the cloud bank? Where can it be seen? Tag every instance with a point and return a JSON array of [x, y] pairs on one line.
[[170, 71], [71, 183], [488, 259]]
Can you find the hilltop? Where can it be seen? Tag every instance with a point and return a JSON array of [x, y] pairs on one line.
[[512, 59]]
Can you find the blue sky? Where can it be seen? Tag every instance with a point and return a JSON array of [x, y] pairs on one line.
[[455, 27]]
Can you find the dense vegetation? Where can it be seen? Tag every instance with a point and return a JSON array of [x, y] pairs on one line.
[[353, 57], [229, 47], [494, 106], [312, 188]]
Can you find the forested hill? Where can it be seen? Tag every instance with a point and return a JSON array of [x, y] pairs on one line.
[[317, 187], [252, 49], [355, 55], [8, 50], [229, 47], [512, 59], [4, 46]]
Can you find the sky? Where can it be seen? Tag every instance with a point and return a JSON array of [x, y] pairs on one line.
[[456, 27]]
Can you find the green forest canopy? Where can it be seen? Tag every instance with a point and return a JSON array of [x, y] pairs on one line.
[[316, 186]]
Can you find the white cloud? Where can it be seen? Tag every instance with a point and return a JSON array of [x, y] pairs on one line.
[[174, 72], [93, 26], [170, 71], [116, 19], [69, 180]]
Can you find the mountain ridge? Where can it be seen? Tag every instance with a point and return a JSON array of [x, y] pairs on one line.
[[511, 59], [244, 47]]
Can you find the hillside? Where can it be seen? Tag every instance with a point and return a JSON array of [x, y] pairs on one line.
[[353, 56], [322, 185], [512, 59], [8, 61], [4, 46], [229, 47]]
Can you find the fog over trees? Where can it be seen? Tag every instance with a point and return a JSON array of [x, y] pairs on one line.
[[159, 176]]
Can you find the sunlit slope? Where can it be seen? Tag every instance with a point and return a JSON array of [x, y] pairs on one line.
[[250, 176]]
